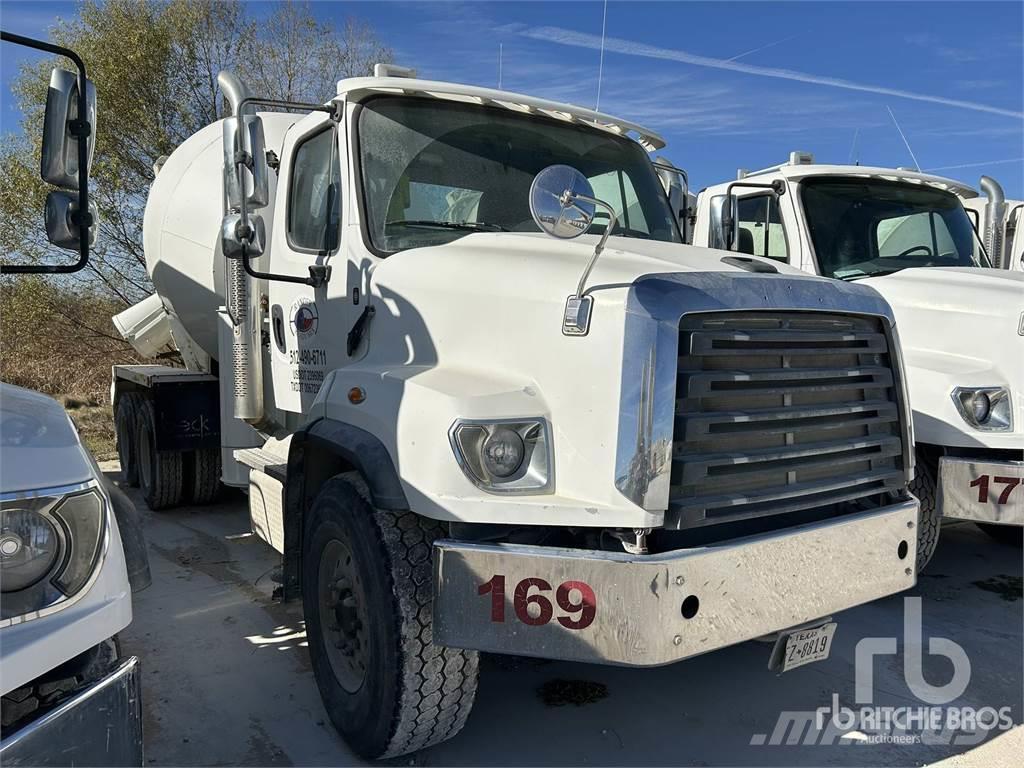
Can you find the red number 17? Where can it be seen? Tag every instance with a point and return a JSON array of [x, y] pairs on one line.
[[982, 483]]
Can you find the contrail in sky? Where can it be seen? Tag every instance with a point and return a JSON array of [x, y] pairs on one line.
[[977, 165], [762, 47], [631, 48]]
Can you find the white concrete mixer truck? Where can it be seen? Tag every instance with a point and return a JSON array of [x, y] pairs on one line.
[[692, 450]]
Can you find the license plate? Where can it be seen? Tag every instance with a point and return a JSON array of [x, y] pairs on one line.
[[802, 646]]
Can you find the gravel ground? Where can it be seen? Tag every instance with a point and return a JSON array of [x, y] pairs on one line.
[[227, 679]]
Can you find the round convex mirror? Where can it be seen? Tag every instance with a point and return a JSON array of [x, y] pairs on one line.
[[555, 201]]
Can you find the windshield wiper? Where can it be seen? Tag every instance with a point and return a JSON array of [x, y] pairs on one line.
[[472, 226], [879, 273]]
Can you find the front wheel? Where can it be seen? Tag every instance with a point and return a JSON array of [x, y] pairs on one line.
[[925, 486], [367, 596]]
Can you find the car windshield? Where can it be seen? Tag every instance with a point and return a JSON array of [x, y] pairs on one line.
[[865, 227], [434, 171]]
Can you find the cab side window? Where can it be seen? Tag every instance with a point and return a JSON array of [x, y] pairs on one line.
[[760, 231], [314, 195]]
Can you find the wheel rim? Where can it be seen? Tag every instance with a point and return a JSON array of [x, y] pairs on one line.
[[343, 626], [145, 460]]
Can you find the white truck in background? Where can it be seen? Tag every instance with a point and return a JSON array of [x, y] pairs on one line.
[[998, 222], [961, 323], [451, 455], [71, 543]]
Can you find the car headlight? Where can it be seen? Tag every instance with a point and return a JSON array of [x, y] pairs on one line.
[[985, 408], [49, 548], [506, 455]]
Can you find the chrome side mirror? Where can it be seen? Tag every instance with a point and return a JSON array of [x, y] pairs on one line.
[[724, 217], [674, 182], [61, 220], [560, 202], [63, 128], [243, 237], [246, 172]]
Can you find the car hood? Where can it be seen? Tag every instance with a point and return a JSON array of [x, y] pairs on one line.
[[39, 446]]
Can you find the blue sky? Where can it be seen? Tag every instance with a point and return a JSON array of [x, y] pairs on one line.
[[728, 84]]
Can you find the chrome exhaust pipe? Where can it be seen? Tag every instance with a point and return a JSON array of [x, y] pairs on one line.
[[995, 215], [246, 363]]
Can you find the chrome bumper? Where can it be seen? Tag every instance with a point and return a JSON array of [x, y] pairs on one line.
[[100, 725], [615, 608], [982, 491]]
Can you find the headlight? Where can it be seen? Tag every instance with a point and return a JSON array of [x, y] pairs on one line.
[[49, 548], [504, 456], [985, 408], [29, 546]]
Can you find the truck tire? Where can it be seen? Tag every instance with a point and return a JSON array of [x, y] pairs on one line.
[[1013, 535], [160, 472], [204, 475], [925, 487], [367, 598], [125, 420]]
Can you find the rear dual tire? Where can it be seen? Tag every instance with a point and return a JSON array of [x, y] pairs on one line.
[[125, 427], [160, 472], [367, 596], [167, 478]]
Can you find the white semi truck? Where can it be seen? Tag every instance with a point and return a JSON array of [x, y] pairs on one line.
[[71, 543], [692, 450], [960, 321]]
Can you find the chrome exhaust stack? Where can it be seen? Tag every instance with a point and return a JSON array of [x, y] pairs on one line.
[[995, 214], [246, 363]]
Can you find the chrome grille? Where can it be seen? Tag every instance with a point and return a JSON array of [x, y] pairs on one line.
[[782, 412]]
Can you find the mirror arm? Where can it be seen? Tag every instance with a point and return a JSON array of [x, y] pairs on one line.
[[82, 129], [777, 188], [334, 110], [612, 221], [319, 274]]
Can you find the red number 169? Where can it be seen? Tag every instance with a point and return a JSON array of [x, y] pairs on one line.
[[586, 607]]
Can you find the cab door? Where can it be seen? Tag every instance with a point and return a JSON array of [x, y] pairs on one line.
[[308, 325]]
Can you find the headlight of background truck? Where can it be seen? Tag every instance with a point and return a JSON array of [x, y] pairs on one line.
[[49, 548], [985, 408]]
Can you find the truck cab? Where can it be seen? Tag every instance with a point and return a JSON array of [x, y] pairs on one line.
[[960, 320], [482, 397]]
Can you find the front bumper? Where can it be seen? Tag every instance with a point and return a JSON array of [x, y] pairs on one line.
[[100, 725], [615, 608], [982, 491]]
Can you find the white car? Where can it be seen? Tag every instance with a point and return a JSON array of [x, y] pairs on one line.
[[69, 697]]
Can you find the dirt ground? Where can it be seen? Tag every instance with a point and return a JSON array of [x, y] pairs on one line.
[[227, 679]]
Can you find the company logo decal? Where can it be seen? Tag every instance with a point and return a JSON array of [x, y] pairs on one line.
[[304, 317]]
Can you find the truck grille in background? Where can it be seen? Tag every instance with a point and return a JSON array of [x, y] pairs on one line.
[[782, 412]]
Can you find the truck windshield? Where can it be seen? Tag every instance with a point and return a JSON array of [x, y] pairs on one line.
[[433, 171], [865, 227]]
